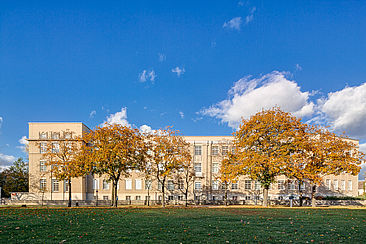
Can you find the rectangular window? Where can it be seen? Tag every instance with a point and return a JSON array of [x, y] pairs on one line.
[[160, 186], [128, 184], [42, 166], [105, 197], [42, 147], [147, 198], [235, 198], [197, 150], [215, 150], [138, 198], [281, 185], [248, 185], [291, 185], [128, 198], [55, 147], [180, 185], [234, 186], [225, 150], [66, 185], [43, 135], [247, 197], [180, 198], [335, 182], [55, 135], [42, 185], [328, 183], [215, 185], [257, 186], [170, 198], [148, 184], [95, 184], [138, 184], [350, 185], [170, 185], [197, 185], [223, 185], [197, 167], [105, 185], [67, 135], [215, 167], [55, 185], [343, 185]]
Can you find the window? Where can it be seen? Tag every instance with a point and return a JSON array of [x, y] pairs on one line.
[[95, 184], [55, 147], [281, 185], [147, 198], [67, 135], [291, 185], [105, 185], [197, 185], [247, 197], [160, 186], [215, 167], [138, 184], [248, 185], [55, 135], [234, 186], [328, 183], [170, 198], [55, 185], [42, 147], [223, 185], [350, 185], [225, 150], [105, 197], [42, 166], [343, 185], [128, 184], [128, 198], [257, 185], [148, 184], [43, 135], [235, 198], [335, 182], [138, 198], [170, 185], [180, 184], [66, 185], [215, 150], [197, 167], [233, 150], [42, 184], [180, 198], [197, 150], [215, 185], [302, 186]]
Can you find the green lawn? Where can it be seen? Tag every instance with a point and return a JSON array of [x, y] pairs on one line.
[[179, 225]]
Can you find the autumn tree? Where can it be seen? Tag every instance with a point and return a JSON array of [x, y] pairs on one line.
[[114, 151], [185, 174], [61, 155], [228, 174], [263, 144], [323, 153], [165, 158]]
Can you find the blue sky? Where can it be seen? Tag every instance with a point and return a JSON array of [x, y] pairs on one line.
[[196, 65]]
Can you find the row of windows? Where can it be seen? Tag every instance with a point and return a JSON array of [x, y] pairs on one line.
[[54, 135], [55, 185], [338, 185], [215, 150]]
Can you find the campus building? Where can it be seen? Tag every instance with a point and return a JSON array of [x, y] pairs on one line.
[[207, 152]]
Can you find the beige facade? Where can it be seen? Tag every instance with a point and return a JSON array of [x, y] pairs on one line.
[[207, 152]]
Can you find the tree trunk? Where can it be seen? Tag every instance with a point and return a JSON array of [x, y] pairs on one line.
[[265, 196], [148, 196], [115, 194], [313, 200], [112, 200], [186, 196], [226, 186], [163, 191], [69, 183], [300, 194]]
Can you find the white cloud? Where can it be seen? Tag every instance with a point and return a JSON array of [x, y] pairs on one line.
[[250, 95], [6, 161], [345, 110], [233, 24], [1, 121], [92, 114], [178, 71], [118, 118], [249, 18], [146, 129], [363, 147], [298, 67], [162, 57], [24, 143], [181, 114], [147, 75]]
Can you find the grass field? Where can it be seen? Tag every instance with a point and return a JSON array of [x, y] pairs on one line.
[[179, 225]]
